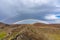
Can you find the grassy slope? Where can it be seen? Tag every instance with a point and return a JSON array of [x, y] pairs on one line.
[[31, 32]]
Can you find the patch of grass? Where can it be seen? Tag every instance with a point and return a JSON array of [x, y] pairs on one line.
[[54, 36], [2, 35]]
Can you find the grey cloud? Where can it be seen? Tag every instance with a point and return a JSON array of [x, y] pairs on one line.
[[16, 10]]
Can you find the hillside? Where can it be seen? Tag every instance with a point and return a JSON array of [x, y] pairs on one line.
[[37, 31]]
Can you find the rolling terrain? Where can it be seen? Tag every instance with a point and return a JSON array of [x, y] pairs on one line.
[[36, 31]]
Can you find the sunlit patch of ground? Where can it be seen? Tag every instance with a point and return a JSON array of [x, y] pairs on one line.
[[2, 35]]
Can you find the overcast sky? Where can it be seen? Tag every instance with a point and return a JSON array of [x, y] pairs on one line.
[[16, 10]]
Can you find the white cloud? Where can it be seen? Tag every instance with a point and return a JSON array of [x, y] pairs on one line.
[[51, 17]]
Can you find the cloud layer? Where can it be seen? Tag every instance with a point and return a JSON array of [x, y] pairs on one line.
[[15, 10]]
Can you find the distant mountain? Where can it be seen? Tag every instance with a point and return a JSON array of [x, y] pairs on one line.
[[2, 25]]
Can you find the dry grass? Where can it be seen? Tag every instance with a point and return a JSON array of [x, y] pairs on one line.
[[31, 32]]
